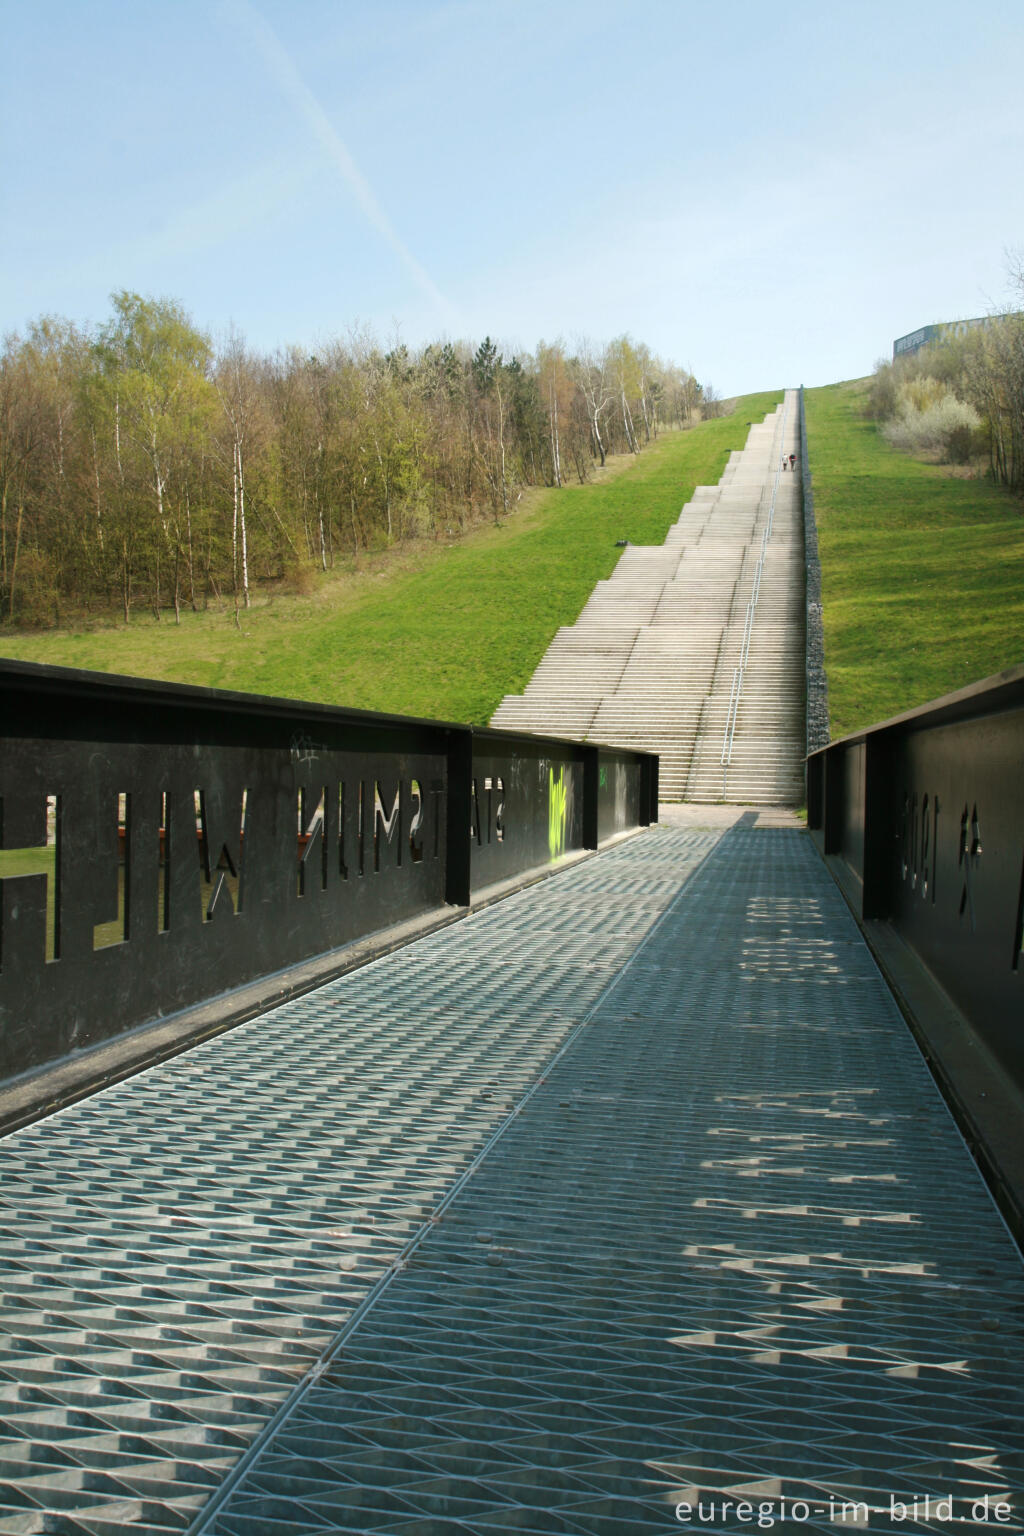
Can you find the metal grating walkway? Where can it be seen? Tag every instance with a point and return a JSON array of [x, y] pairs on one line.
[[177, 1251], [731, 1247]]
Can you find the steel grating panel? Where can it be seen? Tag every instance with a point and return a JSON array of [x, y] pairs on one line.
[[179, 1249], [732, 1248]]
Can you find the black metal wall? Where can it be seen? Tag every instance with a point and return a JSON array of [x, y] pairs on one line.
[[621, 790], [536, 787], [926, 816], [160, 846]]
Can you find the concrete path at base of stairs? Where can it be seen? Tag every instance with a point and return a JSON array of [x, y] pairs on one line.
[[629, 1193]]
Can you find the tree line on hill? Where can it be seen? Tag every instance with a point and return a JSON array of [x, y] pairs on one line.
[[141, 467], [960, 399]]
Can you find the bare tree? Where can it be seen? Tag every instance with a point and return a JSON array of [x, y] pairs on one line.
[[592, 377], [237, 381]]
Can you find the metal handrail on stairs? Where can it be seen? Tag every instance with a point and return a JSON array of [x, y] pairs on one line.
[[730, 724]]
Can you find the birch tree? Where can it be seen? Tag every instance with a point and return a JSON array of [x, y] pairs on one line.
[[156, 364], [18, 440], [237, 382], [593, 379], [621, 363]]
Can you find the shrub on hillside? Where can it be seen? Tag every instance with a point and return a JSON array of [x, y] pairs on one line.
[[929, 419], [984, 367], [883, 392]]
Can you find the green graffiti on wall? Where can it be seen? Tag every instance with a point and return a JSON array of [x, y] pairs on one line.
[[558, 805]]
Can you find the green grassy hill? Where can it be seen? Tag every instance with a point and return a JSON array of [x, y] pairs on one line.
[[923, 585], [438, 630], [922, 571]]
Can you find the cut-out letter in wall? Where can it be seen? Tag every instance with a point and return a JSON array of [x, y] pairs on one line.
[[926, 831], [416, 824], [54, 839], [919, 843], [437, 802], [340, 824], [488, 810], [312, 840], [969, 854], [115, 929], [124, 837], [221, 866], [37, 858], [386, 824], [164, 886], [489, 804]]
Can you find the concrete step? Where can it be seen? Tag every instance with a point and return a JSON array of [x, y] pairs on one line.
[[651, 659]]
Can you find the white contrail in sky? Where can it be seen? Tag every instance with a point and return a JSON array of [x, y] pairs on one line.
[[306, 105]]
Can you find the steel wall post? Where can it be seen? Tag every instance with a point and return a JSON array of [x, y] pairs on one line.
[[459, 819], [649, 791], [879, 831], [834, 764], [815, 791]]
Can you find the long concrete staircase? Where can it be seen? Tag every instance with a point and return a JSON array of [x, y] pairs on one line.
[[694, 648]]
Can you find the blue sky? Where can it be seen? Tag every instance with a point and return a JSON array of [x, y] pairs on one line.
[[766, 195]]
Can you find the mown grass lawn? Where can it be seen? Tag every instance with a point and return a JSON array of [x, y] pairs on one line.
[[922, 572], [441, 631]]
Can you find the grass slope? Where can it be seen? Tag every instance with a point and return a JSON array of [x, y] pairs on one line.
[[922, 573], [442, 631]]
